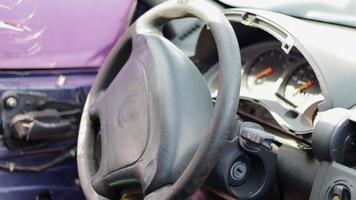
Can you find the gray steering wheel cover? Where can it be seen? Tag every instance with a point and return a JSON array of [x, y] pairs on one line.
[[85, 153], [225, 108]]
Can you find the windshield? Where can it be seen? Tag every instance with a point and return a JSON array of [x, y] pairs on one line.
[[341, 12]]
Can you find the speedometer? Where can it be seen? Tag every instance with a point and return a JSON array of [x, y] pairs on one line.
[[302, 86], [265, 70]]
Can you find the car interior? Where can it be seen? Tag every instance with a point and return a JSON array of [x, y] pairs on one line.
[[190, 99]]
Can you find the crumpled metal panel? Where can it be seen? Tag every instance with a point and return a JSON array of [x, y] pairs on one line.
[[59, 34]]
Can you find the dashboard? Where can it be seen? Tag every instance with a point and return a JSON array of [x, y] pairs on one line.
[[291, 70], [296, 82], [277, 89]]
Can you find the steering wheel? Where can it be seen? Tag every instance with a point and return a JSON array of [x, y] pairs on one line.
[[152, 112]]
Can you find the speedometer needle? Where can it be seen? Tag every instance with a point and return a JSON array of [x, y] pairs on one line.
[[265, 72], [303, 87]]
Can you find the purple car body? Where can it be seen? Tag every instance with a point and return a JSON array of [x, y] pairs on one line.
[[41, 40], [59, 34]]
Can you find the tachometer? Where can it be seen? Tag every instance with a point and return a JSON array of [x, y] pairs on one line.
[[302, 86]]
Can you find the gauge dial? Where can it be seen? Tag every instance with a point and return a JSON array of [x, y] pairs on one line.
[[265, 70], [303, 86]]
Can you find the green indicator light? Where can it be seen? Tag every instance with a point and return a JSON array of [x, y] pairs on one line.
[[126, 181]]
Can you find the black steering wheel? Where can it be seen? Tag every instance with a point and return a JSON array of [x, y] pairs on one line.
[[152, 110]]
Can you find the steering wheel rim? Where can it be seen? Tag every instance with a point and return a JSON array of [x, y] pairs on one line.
[[223, 117]]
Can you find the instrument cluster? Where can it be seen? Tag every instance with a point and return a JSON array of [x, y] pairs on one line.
[[283, 86]]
